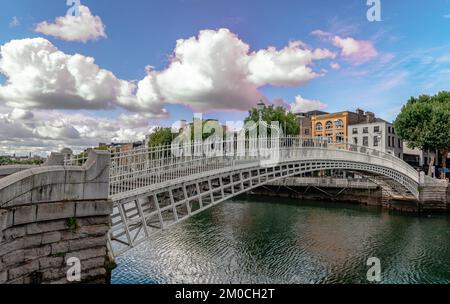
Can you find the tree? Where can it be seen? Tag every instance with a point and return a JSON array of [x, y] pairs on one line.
[[424, 123], [160, 137], [287, 120]]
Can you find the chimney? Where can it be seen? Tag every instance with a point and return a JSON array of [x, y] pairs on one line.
[[370, 117], [360, 114]]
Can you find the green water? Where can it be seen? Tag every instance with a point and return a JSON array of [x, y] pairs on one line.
[[273, 240]]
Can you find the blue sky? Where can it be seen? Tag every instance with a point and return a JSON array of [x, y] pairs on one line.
[[411, 43]]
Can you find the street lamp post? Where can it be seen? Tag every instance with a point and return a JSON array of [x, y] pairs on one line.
[[260, 107]]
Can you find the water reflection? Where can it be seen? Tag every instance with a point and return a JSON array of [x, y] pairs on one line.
[[273, 240]]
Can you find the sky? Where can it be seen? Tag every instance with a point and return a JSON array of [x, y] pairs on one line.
[[121, 68]]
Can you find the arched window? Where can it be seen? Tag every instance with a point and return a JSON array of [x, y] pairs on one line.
[[319, 126], [339, 124], [329, 125]]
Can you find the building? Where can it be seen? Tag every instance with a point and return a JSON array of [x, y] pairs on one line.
[[334, 126], [306, 122], [376, 134]]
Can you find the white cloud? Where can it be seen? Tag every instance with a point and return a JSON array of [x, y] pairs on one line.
[[46, 131], [20, 114], [15, 22], [355, 51], [216, 71], [303, 105], [74, 28], [39, 76], [290, 66]]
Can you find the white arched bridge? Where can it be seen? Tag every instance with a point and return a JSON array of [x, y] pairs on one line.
[[155, 188]]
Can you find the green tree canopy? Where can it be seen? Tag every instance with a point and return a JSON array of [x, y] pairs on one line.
[[288, 121], [160, 137], [424, 123]]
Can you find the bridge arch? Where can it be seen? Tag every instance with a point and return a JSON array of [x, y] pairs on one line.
[[185, 190]]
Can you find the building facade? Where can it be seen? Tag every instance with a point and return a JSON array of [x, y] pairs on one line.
[[333, 127], [305, 122], [378, 135]]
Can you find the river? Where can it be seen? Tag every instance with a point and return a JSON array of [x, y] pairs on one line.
[[274, 240]]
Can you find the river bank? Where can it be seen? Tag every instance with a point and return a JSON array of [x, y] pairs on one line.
[[353, 191]]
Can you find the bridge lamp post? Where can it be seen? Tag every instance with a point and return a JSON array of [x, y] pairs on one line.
[[260, 108]]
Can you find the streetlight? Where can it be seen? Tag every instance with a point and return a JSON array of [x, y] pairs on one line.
[[260, 108]]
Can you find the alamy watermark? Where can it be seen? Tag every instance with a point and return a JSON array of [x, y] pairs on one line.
[[74, 9], [253, 139], [374, 12], [374, 272], [74, 272]]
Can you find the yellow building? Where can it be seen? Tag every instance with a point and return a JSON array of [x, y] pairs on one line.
[[334, 126]]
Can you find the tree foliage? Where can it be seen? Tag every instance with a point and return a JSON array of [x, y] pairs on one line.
[[160, 137], [287, 120], [424, 123]]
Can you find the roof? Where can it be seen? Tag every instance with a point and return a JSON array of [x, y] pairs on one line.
[[377, 120]]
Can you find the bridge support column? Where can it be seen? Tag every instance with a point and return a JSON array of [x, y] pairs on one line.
[[50, 215]]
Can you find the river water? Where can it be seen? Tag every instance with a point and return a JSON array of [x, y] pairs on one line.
[[274, 240]]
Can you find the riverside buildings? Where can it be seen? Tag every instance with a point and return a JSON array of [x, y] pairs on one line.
[[359, 128]]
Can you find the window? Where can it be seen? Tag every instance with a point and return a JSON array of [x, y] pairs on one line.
[[307, 132], [376, 129], [393, 141], [340, 137], [339, 124], [355, 140], [393, 130], [389, 130], [389, 141], [399, 143], [376, 140], [319, 126], [329, 125], [355, 130], [366, 130], [365, 141]]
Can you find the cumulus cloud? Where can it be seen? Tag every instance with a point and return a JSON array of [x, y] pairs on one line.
[[39, 76], [290, 66], [48, 131], [212, 71], [216, 70], [355, 51], [20, 114], [82, 28], [303, 105]]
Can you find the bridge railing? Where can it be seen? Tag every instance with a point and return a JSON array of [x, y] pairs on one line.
[[143, 167]]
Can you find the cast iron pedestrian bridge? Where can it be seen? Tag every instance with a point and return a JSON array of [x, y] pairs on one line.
[[155, 188]]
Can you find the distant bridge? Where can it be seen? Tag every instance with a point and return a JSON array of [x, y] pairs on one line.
[[153, 189]]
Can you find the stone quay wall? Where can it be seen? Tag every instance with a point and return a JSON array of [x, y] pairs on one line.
[[434, 195], [52, 213], [324, 189]]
